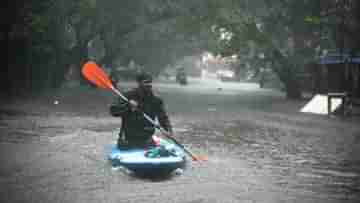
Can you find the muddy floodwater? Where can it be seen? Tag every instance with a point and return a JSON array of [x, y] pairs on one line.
[[260, 148]]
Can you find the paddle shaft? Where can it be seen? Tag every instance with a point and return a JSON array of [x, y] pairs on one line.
[[152, 121], [97, 76]]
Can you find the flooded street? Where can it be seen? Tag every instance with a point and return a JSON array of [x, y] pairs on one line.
[[260, 149]]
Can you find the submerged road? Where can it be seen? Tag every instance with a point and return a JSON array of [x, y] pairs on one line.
[[260, 149]]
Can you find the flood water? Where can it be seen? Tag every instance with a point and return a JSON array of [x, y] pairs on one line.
[[259, 148]]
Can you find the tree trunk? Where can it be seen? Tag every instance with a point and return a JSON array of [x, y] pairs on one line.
[[290, 81], [4, 78], [286, 74], [292, 89], [357, 24], [60, 66], [79, 57]]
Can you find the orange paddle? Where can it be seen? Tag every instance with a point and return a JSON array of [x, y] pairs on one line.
[[96, 75], [92, 72]]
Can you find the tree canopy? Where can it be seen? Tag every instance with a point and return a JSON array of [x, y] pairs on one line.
[[45, 37]]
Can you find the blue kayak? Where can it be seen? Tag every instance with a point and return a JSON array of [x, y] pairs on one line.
[[157, 160]]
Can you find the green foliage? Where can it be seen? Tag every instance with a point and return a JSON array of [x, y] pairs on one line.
[[158, 32], [315, 20], [288, 28]]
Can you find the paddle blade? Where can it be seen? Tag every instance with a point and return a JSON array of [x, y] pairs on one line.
[[200, 158], [92, 72]]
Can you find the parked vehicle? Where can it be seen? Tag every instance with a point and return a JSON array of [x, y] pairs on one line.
[[226, 75], [181, 76]]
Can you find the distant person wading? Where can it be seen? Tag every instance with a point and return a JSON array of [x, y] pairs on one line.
[[136, 131]]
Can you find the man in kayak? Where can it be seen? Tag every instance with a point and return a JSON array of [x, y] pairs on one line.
[[135, 130]]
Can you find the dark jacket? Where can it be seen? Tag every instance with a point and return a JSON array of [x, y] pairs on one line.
[[135, 129]]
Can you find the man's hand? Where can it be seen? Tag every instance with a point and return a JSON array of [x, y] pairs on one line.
[[133, 105]]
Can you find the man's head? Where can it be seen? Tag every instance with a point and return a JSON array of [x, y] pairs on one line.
[[144, 81]]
